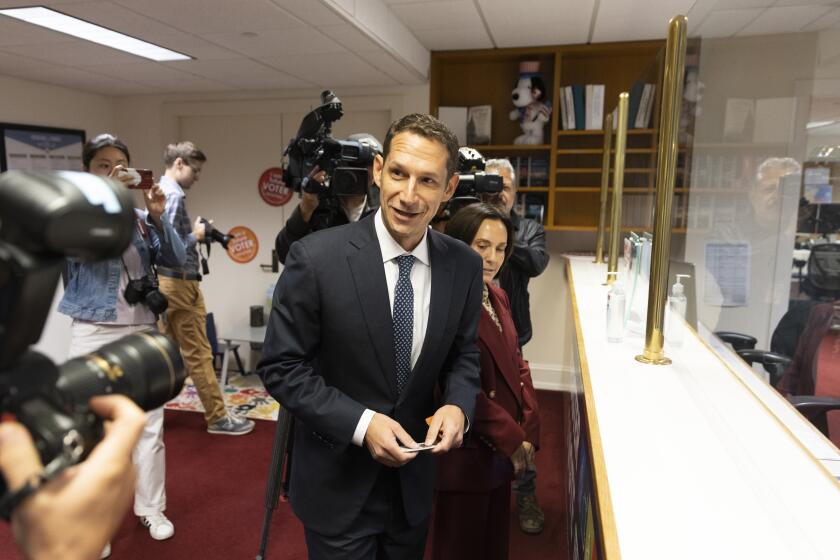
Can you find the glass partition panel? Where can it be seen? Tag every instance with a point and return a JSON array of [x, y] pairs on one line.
[[761, 138]]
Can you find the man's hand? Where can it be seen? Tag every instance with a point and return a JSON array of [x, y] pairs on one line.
[[155, 203], [383, 437], [309, 200], [199, 230], [74, 515], [448, 425]]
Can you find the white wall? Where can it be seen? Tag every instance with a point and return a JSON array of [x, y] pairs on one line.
[[25, 102]]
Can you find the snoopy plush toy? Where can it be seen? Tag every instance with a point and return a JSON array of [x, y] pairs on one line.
[[532, 109]]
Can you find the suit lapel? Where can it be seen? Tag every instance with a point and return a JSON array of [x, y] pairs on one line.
[[365, 262], [441, 295]]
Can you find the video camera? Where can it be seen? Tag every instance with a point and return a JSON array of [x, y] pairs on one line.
[[345, 162], [43, 219], [474, 184]]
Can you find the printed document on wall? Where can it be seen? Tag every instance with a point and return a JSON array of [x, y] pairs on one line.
[[728, 268]]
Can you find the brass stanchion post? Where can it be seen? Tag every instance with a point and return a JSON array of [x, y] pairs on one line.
[[605, 185], [669, 120], [618, 184]]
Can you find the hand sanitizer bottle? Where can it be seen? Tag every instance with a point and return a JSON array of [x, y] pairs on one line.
[[675, 325], [615, 310]]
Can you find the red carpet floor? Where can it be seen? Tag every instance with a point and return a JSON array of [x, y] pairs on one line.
[[216, 487]]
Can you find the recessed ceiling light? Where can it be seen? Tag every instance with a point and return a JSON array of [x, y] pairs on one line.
[[92, 32]]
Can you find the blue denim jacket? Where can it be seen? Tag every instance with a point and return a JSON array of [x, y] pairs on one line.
[[91, 291]]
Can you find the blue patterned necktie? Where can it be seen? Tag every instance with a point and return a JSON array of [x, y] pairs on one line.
[[403, 320]]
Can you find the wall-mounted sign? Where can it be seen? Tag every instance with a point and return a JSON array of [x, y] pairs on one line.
[[273, 189], [244, 245]]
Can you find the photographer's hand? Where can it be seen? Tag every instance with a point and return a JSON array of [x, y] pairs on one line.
[[75, 514], [118, 173], [199, 230], [155, 203], [309, 200]]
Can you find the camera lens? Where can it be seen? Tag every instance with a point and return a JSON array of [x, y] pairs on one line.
[[146, 367]]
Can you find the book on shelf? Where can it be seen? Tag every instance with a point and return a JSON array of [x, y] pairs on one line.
[[570, 108], [479, 119], [538, 173], [455, 119], [645, 107], [531, 206], [635, 99], [564, 110], [594, 106], [579, 97], [471, 125]]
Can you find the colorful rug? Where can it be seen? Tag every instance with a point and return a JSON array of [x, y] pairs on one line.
[[245, 396]]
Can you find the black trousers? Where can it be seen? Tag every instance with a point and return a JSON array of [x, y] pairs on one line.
[[381, 532]]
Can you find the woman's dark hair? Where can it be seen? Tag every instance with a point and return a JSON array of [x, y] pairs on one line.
[[102, 141], [465, 223]]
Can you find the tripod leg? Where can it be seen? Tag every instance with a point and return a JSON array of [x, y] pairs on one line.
[[275, 473], [287, 474]]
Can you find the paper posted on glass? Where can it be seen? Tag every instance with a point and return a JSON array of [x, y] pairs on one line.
[[727, 267]]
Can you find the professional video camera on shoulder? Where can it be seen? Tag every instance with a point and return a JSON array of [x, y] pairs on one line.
[[474, 184], [45, 218], [345, 162]]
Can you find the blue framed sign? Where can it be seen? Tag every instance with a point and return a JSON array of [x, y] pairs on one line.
[[40, 148]]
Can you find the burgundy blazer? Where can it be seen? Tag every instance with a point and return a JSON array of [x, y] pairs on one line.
[[799, 375], [506, 410]]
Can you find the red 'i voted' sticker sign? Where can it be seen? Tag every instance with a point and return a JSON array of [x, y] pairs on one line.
[[273, 189]]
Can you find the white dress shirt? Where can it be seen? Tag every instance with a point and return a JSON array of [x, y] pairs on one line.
[[421, 283]]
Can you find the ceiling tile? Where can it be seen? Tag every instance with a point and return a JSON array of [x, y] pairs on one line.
[[274, 42], [431, 15], [787, 19], [350, 37], [79, 79], [384, 62], [742, 4], [243, 73], [725, 23], [538, 22], [157, 75], [828, 21], [216, 16], [315, 14], [453, 38], [331, 70], [619, 20]]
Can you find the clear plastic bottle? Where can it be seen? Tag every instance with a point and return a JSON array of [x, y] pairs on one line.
[[616, 302], [675, 324]]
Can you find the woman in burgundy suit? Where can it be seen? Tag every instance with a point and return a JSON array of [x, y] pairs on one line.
[[472, 512]]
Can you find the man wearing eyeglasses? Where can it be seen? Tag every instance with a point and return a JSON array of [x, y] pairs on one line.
[[185, 319]]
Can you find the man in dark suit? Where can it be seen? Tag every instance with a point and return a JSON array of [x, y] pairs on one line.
[[373, 329]]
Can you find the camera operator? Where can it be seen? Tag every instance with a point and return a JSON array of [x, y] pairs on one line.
[[74, 515], [117, 297], [528, 260], [304, 220], [185, 321]]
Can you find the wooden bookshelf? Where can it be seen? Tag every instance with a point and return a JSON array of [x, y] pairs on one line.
[[571, 198]]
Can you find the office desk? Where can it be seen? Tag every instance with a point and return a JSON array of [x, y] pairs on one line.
[[240, 333], [697, 459]]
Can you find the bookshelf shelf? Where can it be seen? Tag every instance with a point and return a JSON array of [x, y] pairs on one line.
[[567, 167]]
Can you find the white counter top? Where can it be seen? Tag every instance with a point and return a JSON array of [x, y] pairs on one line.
[[690, 460]]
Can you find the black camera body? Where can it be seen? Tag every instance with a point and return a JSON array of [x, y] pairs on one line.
[[345, 162], [145, 290], [474, 184], [212, 234], [45, 218]]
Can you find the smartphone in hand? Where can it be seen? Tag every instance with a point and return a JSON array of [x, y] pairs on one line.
[[142, 178]]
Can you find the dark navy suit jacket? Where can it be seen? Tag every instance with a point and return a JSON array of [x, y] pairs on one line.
[[329, 355]]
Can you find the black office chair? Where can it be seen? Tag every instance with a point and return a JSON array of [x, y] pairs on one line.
[[219, 348], [774, 364], [737, 340]]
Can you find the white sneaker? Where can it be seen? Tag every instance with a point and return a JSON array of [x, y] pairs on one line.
[[106, 552], [160, 528]]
